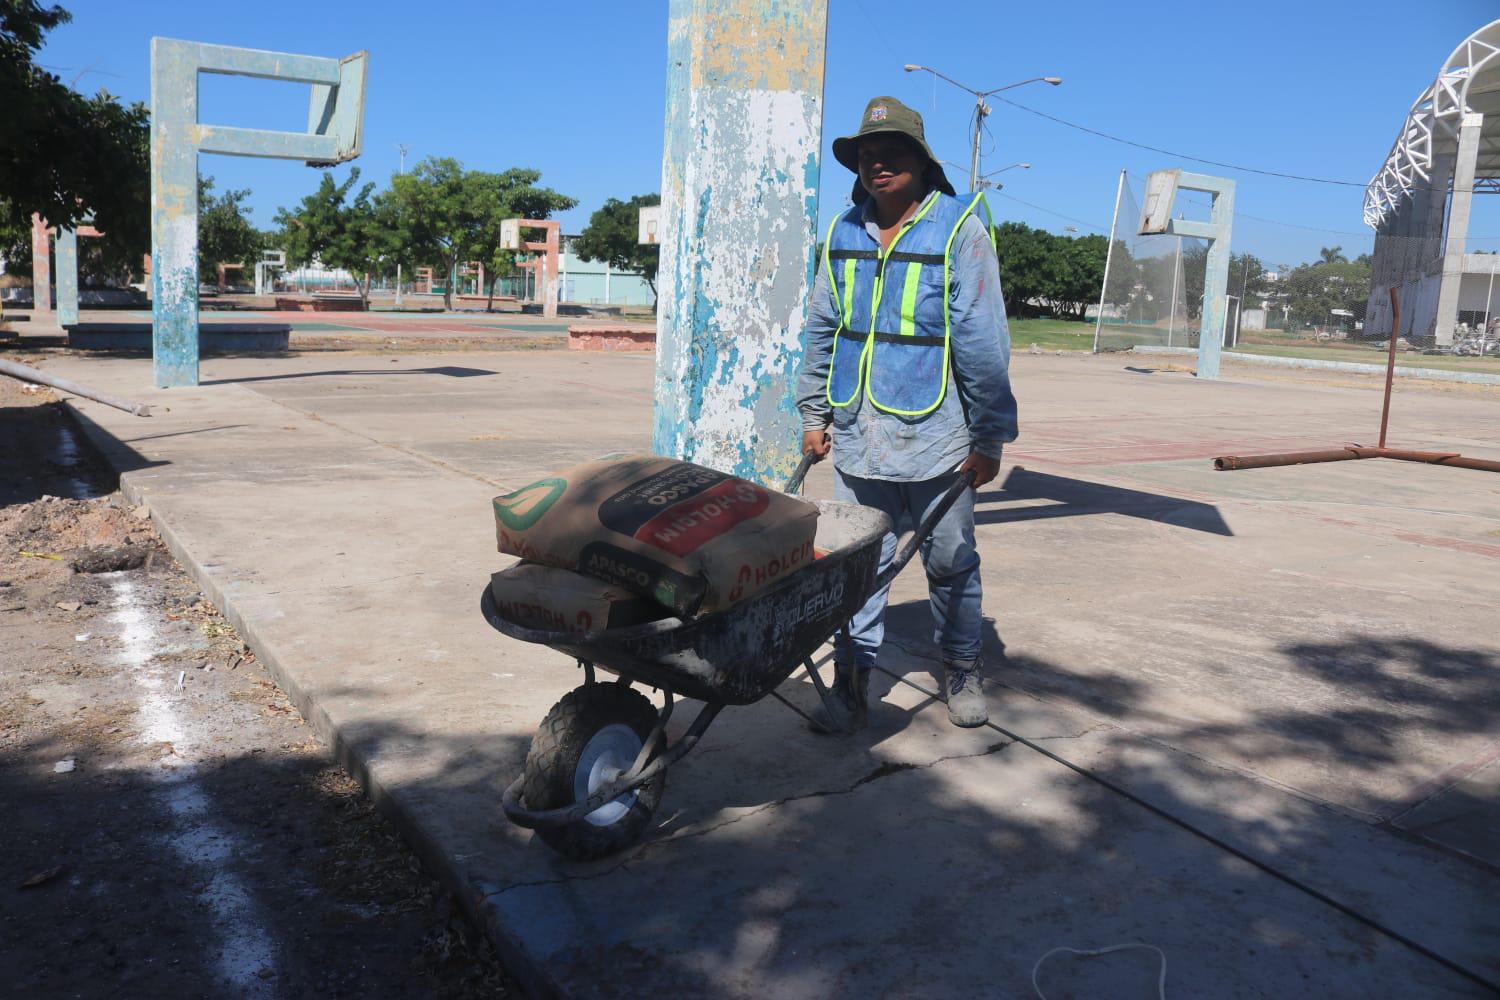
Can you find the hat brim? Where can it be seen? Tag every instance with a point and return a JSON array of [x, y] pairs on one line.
[[846, 151]]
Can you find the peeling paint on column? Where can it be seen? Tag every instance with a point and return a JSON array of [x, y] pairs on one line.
[[739, 210]]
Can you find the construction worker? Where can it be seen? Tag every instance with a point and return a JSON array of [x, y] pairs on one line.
[[907, 358]]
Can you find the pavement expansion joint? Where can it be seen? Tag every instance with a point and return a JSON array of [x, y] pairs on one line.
[[409, 453]]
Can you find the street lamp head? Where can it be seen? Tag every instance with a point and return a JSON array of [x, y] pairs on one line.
[[1024, 166], [1054, 80], [912, 67]]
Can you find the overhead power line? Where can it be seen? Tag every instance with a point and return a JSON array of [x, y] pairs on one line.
[[1180, 156]]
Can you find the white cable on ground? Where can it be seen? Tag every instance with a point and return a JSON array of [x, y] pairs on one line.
[[1161, 980]]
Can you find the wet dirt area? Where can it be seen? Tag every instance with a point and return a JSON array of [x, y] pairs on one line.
[[173, 828]]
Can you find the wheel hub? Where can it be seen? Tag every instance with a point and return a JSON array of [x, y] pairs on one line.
[[607, 755]]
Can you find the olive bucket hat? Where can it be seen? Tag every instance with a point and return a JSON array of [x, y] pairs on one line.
[[886, 115]]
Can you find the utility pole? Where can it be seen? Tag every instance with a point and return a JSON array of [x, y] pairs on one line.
[[401, 148], [981, 110]]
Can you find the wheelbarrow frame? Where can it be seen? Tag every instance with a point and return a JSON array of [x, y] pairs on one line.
[[724, 658]]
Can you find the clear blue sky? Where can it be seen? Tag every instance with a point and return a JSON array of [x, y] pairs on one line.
[[575, 89]]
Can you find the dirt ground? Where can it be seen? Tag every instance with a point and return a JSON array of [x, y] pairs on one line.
[[173, 828]]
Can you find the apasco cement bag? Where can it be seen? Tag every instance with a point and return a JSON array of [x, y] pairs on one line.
[[688, 537], [559, 600]]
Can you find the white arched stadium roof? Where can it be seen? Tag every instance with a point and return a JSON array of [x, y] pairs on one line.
[[1467, 83]]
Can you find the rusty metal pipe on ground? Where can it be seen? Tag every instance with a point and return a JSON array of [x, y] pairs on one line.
[[1349, 452], [28, 374], [1229, 462]]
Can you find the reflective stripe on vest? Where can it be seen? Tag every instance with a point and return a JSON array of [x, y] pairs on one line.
[[894, 347]]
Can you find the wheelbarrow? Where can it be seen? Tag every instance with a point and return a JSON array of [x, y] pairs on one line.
[[598, 763]]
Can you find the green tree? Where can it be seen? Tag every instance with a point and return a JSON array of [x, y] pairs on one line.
[[1312, 291], [1247, 279], [64, 155], [613, 235], [510, 194], [1332, 255], [225, 236], [452, 214], [355, 233]]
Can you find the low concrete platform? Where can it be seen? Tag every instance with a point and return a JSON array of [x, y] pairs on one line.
[[1250, 718], [213, 338]]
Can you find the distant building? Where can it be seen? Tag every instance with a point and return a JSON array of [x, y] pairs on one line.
[[1446, 151]]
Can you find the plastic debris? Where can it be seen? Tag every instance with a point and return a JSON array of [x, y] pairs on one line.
[[64, 766]]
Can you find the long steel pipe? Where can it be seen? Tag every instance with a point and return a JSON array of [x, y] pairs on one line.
[[28, 374], [1227, 463]]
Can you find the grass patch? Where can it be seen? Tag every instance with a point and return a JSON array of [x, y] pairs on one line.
[[1051, 334]]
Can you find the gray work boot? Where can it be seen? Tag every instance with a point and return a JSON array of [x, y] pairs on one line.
[[846, 710], [965, 699]]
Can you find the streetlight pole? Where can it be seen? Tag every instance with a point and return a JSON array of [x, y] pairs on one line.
[[401, 148], [981, 109]]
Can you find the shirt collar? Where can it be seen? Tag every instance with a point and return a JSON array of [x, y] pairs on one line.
[[867, 207]]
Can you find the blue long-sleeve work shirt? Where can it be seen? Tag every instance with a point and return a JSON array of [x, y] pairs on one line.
[[980, 416]]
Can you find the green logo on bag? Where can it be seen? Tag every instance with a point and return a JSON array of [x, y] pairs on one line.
[[523, 508]]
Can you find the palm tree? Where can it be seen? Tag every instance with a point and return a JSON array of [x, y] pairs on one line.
[[1332, 255]]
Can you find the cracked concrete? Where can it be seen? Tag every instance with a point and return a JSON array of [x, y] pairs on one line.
[[1228, 659]]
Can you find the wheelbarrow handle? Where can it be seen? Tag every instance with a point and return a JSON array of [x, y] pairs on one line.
[[794, 485], [926, 528]]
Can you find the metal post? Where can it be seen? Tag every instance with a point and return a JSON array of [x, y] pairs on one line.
[[1390, 363], [739, 210], [1489, 294], [1109, 256], [67, 278], [1176, 272], [974, 155]]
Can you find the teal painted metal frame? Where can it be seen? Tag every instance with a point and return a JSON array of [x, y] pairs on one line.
[[1216, 279], [334, 134]]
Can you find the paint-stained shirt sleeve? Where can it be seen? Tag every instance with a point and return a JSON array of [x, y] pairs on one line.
[[981, 341], [817, 342]]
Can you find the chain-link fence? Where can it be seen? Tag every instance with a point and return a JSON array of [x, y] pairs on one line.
[[1153, 285]]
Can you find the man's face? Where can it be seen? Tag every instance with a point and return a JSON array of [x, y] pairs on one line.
[[890, 165]]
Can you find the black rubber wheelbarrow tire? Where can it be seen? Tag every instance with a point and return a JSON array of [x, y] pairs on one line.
[[552, 769]]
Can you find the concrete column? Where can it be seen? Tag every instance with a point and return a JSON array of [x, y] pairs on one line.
[[67, 277], [41, 270], [1216, 281], [174, 215], [739, 213], [1458, 227]]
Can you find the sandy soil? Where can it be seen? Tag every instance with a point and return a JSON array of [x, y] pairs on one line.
[[172, 826]]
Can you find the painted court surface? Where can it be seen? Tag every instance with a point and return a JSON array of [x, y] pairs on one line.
[[1259, 714]]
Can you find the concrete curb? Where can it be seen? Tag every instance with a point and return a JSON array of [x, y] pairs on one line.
[[519, 966], [1273, 361]]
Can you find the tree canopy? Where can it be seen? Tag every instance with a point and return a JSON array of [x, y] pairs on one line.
[[338, 230], [452, 214], [225, 236], [64, 155], [1061, 273], [612, 234]]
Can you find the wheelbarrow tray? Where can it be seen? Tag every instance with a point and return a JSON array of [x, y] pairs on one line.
[[740, 654]]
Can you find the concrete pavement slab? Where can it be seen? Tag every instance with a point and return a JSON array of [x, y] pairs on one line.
[[1224, 656]]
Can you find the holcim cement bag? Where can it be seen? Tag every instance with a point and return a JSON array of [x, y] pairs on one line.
[[683, 535], [559, 600]]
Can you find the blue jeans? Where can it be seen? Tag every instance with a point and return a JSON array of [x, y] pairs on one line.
[[949, 556]]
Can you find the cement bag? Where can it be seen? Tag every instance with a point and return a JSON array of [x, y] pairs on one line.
[[559, 600], [685, 536]]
